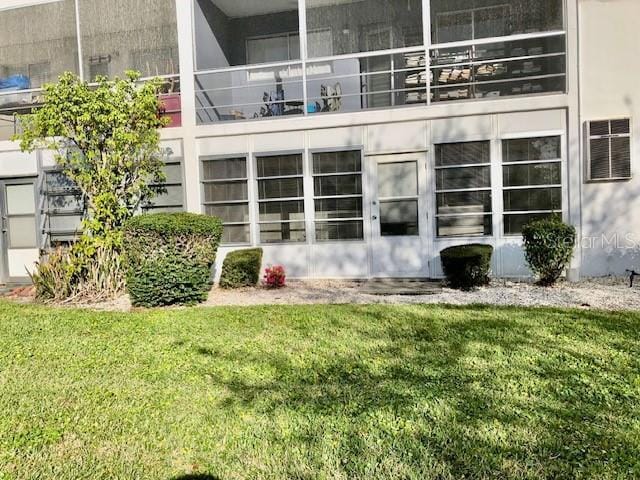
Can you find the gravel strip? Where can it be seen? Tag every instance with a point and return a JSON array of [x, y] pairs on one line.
[[606, 294]]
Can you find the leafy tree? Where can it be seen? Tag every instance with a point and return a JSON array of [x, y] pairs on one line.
[[105, 137]]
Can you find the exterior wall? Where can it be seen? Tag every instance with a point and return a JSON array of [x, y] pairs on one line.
[[360, 259], [609, 69], [600, 86]]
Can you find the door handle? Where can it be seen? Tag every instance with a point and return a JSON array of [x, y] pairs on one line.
[[374, 217], [4, 224]]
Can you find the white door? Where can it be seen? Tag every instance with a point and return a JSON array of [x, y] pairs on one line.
[[399, 223], [19, 238]]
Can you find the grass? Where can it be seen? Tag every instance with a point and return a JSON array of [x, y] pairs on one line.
[[342, 392]]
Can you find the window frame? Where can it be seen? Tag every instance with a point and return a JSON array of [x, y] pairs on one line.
[[588, 137], [561, 186], [491, 189], [256, 201], [48, 232], [363, 182], [211, 158], [177, 160]]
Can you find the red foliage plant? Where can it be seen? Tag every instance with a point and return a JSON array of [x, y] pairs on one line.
[[275, 276]]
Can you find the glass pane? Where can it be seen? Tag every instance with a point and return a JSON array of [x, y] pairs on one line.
[[597, 129], [280, 188], [230, 212], [260, 92], [328, 208], [278, 166], [173, 173], [64, 203], [461, 178], [464, 202], [225, 191], [399, 218], [64, 223], [282, 232], [236, 234], [229, 33], [460, 20], [621, 157], [21, 199], [281, 211], [397, 179], [22, 232], [465, 225], [37, 44], [172, 198], [224, 168], [337, 162], [468, 153], [620, 127], [337, 27], [59, 182], [533, 199], [600, 158], [513, 223], [121, 35], [531, 149], [338, 185], [532, 174], [349, 230]]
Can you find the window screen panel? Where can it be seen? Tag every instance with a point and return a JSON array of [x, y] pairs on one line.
[[338, 195]]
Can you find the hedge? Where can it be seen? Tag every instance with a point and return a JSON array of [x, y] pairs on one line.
[[467, 266], [241, 268], [548, 247], [169, 257]]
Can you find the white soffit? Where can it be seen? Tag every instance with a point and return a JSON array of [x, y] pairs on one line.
[[10, 4], [251, 8]]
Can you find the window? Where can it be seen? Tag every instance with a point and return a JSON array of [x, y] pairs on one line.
[[231, 33], [398, 196], [460, 20], [355, 26], [337, 183], [64, 208], [463, 189], [226, 196], [280, 198], [172, 200], [21, 215], [609, 149], [532, 180], [273, 48]]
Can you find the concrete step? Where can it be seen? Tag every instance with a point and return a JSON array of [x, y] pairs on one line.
[[400, 286]]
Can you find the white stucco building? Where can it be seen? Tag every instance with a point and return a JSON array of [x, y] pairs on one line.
[[353, 138]]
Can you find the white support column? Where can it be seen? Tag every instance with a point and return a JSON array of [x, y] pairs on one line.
[[575, 164], [184, 11]]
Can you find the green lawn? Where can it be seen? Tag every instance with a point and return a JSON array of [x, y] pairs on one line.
[[344, 392]]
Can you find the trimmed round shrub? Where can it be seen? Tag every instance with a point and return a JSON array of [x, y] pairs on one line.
[[548, 247], [169, 257], [241, 268], [467, 266]]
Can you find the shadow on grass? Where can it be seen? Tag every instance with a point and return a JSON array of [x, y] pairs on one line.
[[488, 392], [196, 476]]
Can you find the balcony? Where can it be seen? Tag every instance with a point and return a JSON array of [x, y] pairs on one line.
[[482, 69], [16, 101]]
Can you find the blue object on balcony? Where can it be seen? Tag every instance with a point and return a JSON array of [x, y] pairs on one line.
[[15, 82]]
